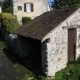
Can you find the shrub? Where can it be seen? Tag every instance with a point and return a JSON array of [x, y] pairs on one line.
[[71, 72], [0, 20], [78, 59], [41, 77], [8, 10], [26, 20], [9, 22], [0, 16]]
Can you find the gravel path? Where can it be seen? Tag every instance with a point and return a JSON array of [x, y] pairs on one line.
[[10, 68], [7, 71]]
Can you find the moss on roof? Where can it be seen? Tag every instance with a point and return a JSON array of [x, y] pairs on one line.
[[43, 24]]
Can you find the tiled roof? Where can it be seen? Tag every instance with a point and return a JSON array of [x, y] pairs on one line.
[[43, 24]]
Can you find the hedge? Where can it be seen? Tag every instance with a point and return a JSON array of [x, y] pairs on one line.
[[25, 20], [9, 22]]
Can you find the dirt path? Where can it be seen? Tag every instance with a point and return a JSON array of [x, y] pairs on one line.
[[7, 70], [10, 66]]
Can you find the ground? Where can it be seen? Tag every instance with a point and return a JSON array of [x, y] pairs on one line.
[[11, 67], [14, 67]]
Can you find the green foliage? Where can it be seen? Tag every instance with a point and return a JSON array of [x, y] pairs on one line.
[[71, 72], [26, 20], [8, 9], [7, 6], [9, 22], [1, 3], [25, 77], [57, 4], [29, 76], [0, 16], [2, 45], [33, 77], [41, 77], [78, 59]]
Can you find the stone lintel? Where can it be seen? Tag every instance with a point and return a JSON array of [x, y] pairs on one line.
[[71, 26]]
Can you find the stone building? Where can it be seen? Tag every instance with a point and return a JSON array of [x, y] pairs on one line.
[[0, 9], [56, 34], [29, 8]]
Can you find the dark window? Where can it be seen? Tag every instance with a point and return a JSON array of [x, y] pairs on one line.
[[19, 8], [28, 7]]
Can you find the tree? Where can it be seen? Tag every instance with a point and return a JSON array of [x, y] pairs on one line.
[[7, 6], [59, 4], [1, 3]]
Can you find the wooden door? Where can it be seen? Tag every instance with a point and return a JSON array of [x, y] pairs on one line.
[[71, 45]]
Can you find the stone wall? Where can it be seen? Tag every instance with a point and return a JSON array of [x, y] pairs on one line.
[[28, 46], [39, 7], [12, 42], [78, 43], [55, 52], [44, 58], [0, 9]]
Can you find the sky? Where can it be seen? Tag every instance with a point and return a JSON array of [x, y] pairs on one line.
[[50, 0], [1, 0]]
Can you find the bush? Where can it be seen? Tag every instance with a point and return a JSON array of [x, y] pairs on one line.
[[41, 77], [78, 59], [71, 72], [0, 20], [8, 10], [26, 20], [0, 16], [9, 22]]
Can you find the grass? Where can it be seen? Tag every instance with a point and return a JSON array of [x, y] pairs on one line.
[[71, 72], [15, 65], [2, 45], [25, 74]]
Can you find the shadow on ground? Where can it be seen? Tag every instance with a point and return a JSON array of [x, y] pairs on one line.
[[32, 62]]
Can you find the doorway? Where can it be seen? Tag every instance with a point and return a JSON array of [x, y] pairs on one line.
[[71, 45]]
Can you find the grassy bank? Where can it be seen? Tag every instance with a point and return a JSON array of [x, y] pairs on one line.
[[71, 72]]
